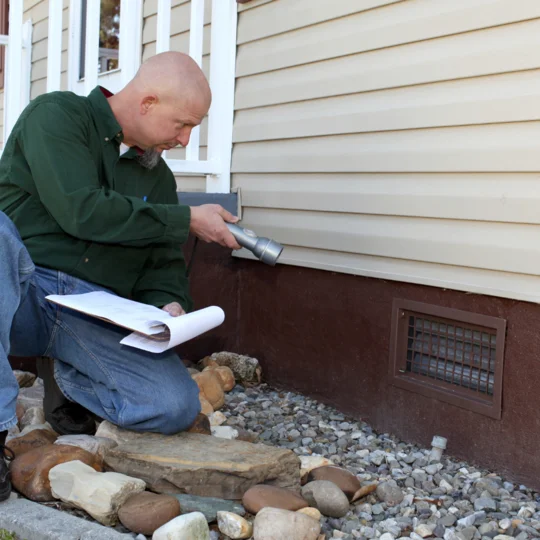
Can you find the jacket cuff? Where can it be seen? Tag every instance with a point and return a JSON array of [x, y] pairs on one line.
[[178, 221]]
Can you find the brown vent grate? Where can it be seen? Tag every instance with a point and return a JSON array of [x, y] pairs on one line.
[[452, 355]]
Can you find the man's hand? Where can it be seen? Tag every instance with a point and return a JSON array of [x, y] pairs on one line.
[[208, 224], [174, 309]]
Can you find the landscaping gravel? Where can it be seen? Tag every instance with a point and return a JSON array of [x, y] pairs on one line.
[[451, 500]]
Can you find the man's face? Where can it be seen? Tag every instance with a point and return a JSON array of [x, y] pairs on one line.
[[165, 125]]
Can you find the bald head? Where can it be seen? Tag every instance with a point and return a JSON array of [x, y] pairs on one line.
[[173, 76], [159, 107]]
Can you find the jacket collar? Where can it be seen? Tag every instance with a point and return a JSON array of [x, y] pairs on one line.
[[108, 127]]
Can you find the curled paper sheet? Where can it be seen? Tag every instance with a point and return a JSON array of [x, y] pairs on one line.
[[154, 330], [178, 330]]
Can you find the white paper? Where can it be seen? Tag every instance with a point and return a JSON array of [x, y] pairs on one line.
[[181, 329], [167, 331]]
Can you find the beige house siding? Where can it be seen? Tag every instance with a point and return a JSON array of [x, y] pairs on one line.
[[180, 22], [394, 139], [38, 12]]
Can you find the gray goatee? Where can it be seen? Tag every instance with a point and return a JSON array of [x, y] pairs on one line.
[[149, 159]]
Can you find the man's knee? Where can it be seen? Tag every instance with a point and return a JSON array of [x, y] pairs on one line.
[[174, 409]]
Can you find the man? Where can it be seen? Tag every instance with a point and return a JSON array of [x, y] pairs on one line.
[[86, 204]]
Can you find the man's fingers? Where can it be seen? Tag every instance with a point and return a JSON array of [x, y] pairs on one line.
[[227, 216], [174, 309], [229, 241]]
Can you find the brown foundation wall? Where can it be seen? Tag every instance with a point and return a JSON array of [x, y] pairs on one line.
[[327, 335]]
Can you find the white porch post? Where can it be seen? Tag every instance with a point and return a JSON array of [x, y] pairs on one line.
[[54, 46], [196, 29], [93, 11], [222, 79], [13, 96], [163, 38]]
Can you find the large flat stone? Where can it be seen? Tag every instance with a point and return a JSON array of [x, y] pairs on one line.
[[201, 465]]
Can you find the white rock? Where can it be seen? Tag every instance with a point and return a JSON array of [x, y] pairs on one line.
[[424, 530], [503, 537], [467, 521], [100, 494], [191, 526], [217, 418], [387, 536], [505, 524], [446, 486], [277, 524], [233, 525], [32, 416], [94, 445], [415, 536], [224, 432], [308, 463]]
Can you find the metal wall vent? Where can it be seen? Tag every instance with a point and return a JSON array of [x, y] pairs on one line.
[[451, 355]]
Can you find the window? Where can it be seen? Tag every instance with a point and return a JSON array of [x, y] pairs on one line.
[[451, 355], [109, 37], [120, 36], [4, 29]]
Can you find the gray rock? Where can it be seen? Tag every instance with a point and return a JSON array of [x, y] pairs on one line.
[[468, 533], [467, 521], [377, 509], [483, 503], [209, 506], [448, 520], [326, 497], [390, 494], [28, 519]]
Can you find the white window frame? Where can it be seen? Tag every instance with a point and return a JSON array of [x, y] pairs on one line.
[[130, 52]]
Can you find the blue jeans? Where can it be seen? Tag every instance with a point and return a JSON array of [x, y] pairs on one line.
[[131, 388]]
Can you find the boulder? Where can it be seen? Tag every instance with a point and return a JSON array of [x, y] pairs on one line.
[[210, 387], [262, 496], [145, 512], [187, 527], [278, 524], [194, 464], [30, 441], [234, 526], [326, 497], [247, 370], [30, 471], [99, 494], [345, 480]]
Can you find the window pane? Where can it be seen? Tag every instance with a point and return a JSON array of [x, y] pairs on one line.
[[109, 36]]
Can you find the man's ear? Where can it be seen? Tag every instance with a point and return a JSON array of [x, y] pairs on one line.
[[148, 103]]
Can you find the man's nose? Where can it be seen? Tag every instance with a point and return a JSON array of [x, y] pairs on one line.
[[184, 135]]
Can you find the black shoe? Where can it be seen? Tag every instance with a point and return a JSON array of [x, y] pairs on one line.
[[5, 478], [66, 417]]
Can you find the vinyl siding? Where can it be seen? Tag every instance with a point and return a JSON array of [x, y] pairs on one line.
[[394, 139], [38, 12]]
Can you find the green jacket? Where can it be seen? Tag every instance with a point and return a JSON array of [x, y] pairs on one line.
[[79, 206]]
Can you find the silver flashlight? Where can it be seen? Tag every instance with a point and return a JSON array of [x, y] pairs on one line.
[[264, 249]]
